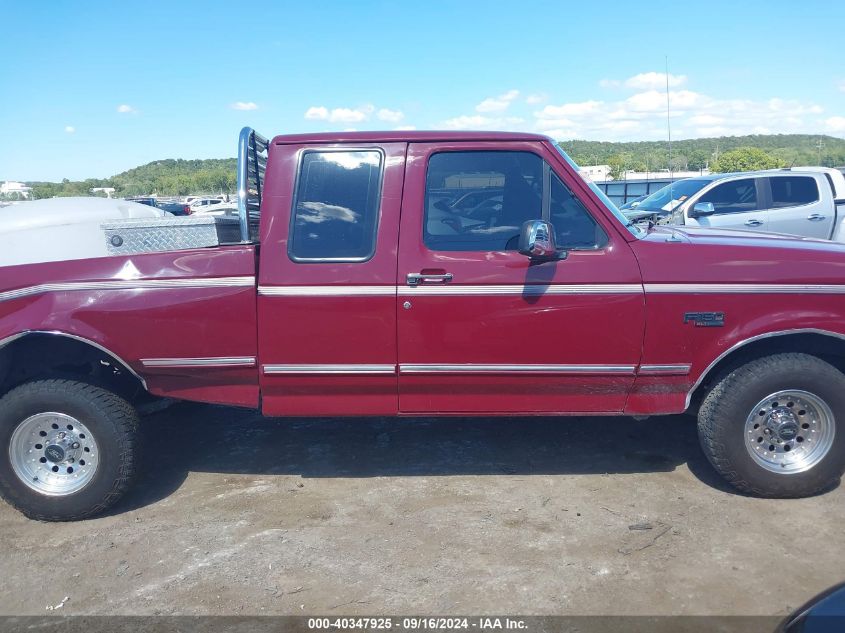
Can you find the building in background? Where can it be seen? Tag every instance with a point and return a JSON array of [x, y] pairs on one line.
[[18, 190]]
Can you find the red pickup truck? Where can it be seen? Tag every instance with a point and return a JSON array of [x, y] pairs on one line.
[[423, 273]]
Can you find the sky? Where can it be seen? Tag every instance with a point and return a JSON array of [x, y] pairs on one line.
[[93, 88]]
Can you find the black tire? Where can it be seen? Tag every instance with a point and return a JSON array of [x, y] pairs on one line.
[[723, 414], [112, 421]]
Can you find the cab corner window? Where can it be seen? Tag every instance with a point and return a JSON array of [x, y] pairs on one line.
[[793, 191], [336, 206], [479, 200]]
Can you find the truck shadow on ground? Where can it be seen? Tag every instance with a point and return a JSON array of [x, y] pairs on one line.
[[204, 438]]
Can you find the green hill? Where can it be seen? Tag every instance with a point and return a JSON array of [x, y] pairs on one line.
[[797, 149], [172, 177], [169, 177]]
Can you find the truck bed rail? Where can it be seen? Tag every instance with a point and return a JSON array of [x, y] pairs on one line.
[[252, 161]]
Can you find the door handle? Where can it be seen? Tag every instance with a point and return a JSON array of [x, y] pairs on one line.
[[815, 217], [415, 279], [753, 223]]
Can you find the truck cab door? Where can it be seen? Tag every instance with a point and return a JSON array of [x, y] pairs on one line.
[[796, 205], [327, 279], [737, 204], [482, 329]]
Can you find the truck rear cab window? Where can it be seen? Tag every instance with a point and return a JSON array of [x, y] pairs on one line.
[[734, 196], [478, 201], [793, 191], [336, 206]]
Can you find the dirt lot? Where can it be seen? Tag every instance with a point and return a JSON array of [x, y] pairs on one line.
[[235, 514]]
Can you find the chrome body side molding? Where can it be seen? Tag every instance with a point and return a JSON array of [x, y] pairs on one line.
[[663, 370], [745, 288], [327, 291], [515, 369], [211, 361], [132, 284], [533, 290], [273, 369]]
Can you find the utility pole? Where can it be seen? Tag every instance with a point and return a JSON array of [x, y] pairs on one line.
[[819, 146]]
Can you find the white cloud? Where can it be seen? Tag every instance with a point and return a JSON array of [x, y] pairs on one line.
[[399, 128], [497, 104], [479, 122], [642, 116], [317, 112], [706, 119], [339, 115], [835, 123], [842, 86], [467, 122], [124, 108], [652, 80], [70, 129], [655, 101], [568, 109], [392, 116], [244, 105], [535, 99]]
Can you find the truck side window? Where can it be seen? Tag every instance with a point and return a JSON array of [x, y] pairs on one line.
[[735, 196], [478, 201], [793, 191], [336, 206]]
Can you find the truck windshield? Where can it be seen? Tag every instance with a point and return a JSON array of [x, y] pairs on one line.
[[670, 196], [635, 230]]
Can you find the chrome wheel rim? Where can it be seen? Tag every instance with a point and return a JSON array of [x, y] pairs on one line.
[[789, 431], [53, 453]]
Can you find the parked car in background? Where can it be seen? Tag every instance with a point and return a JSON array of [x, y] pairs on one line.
[[198, 203], [174, 208], [633, 204], [806, 201], [150, 201], [219, 209]]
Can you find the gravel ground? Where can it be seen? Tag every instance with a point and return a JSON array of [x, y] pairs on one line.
[[236, 514]]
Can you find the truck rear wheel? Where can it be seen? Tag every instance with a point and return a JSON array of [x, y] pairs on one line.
[[67, 449], [769, 427]]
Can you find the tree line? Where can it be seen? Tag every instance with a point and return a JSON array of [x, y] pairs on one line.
[[717, 154], [179, 177], [170, 177]]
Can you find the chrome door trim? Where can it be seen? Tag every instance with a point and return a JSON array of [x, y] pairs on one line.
[[211, 361], [525, 290], [81, 339], [327, 291], [133, 284], [746, 341], [273, 369], [678, 368], [521, 369], [745, 288]]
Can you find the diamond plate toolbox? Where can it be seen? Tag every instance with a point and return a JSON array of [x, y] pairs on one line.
[[150, 235]]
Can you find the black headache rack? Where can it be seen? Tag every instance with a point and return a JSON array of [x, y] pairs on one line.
[[252, 162]]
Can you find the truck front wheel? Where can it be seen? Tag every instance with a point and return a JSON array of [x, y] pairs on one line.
[[67, 449], [770, 429]]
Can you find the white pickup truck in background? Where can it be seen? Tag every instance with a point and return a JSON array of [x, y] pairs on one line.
[[806, 201]]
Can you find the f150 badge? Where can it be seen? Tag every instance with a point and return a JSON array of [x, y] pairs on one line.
[[705, 319]]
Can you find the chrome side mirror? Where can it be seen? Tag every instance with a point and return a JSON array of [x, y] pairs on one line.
[[537, 241], [701, 209]]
